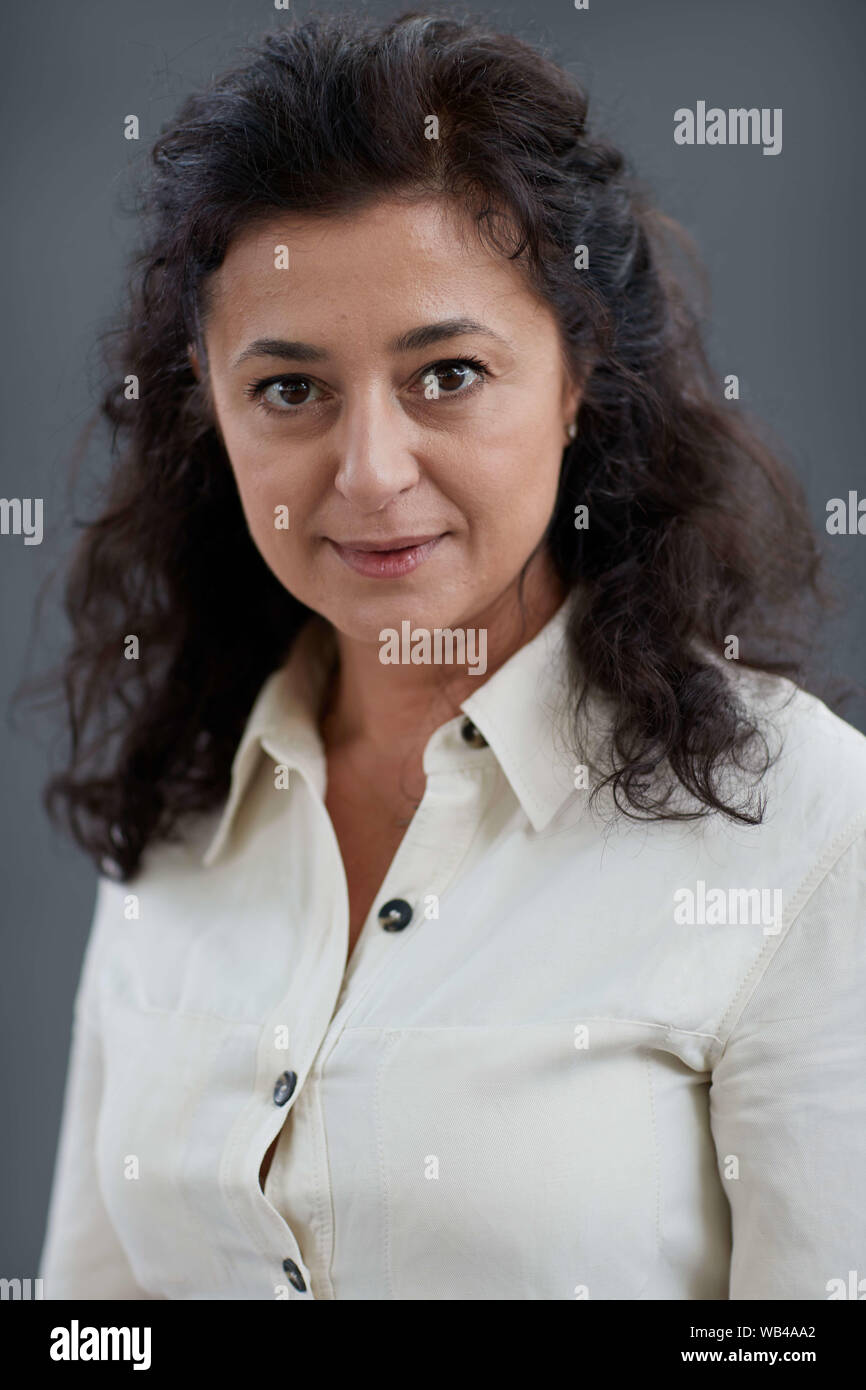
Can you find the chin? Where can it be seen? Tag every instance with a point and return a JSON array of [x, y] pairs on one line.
[[365, 618]]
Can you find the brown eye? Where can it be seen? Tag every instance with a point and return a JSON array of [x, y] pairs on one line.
[[460, 377], [287, 392], [453, 376]]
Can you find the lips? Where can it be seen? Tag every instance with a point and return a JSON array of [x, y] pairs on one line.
[[397, 543], [386, 559]]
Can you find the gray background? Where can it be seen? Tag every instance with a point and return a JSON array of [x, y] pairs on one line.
[[778, 236]]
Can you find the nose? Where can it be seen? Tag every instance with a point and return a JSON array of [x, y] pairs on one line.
[[375, 460]]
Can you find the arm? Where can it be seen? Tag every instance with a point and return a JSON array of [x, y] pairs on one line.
[[81, 1255], [788, 1102]]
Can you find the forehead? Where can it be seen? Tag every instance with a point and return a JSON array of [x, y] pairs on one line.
[[381, 267]]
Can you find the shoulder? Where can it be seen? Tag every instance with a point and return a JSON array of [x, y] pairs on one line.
[[812, 793], [818, 759]]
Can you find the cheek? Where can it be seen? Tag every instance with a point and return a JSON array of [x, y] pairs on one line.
[[267, 472], [275, 487], [262, 491], [509, 490]]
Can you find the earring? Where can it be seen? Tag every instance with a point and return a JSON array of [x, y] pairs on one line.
[[571, 430]]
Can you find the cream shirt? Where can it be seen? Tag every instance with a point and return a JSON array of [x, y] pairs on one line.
[[595, 1063]]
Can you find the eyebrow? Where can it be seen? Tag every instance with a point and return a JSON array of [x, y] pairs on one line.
[[425, 336]]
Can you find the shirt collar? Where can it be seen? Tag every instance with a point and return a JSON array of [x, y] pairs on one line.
[[283, 722], [522, 711]]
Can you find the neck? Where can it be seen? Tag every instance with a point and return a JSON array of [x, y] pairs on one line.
[[393, 709]]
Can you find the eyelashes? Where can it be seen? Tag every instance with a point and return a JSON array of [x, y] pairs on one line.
[[255, 390]]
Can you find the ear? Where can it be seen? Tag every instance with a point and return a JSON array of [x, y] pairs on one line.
[[193, 360], [574, 386], [571, 397]]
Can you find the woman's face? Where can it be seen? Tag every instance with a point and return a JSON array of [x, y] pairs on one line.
[[355, 425]]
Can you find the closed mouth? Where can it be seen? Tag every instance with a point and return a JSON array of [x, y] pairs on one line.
[[398, 543]]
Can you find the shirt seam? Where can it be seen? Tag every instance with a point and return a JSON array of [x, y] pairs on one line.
[[656, 1154], [808, 886], [325, 1206], [667, 1028], [383, 1174]]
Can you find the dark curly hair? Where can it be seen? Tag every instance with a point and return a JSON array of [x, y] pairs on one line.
[[697, 530]]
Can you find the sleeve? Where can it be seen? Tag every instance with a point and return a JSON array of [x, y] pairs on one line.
[[788, 1104], [82, 1257]]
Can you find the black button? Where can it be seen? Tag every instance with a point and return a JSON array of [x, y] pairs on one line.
[[471, 735], [395, 915], [296, 1278], [285, 1087]]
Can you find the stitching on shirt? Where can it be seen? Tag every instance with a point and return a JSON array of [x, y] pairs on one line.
[[666, 1028], [390, 1037], [325, 1213], [656, 1156], [808, 885]]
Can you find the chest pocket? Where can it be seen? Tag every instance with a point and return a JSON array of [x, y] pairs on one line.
[[511, 1163]]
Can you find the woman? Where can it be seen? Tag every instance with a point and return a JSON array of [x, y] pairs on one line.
[[480, 903]]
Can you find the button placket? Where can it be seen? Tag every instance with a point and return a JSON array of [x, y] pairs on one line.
[[396, 914], [454, 802], [450, 812], [310, 998]]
